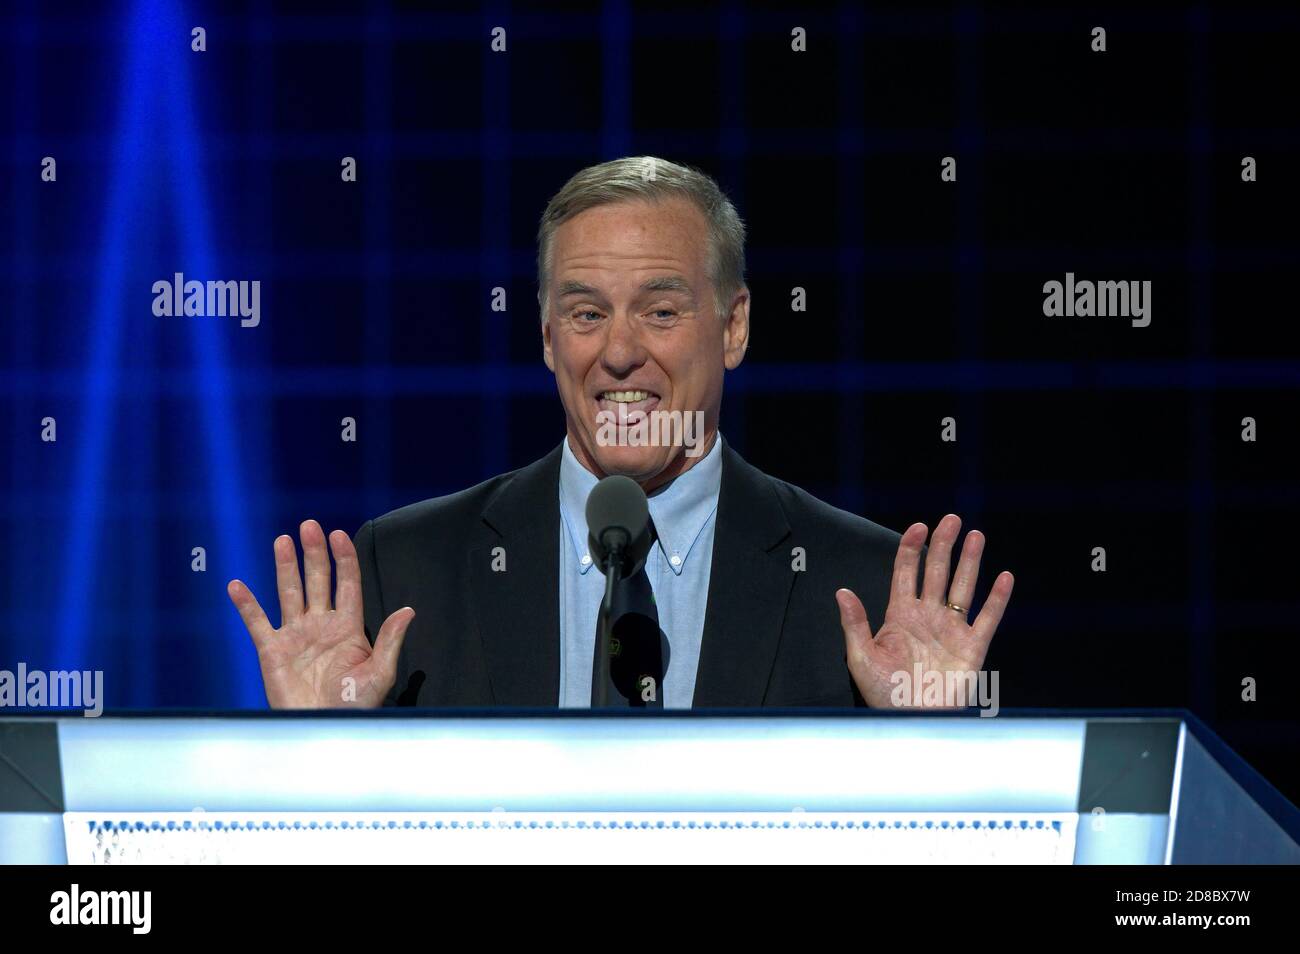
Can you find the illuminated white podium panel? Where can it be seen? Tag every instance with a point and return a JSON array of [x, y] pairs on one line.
[[403, 786]]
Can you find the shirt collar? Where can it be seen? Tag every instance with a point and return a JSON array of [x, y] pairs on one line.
[[680, 509]]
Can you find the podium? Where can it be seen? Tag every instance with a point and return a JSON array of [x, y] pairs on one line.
[[407, 786]]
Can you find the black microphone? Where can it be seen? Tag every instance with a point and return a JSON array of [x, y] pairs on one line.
[[618, 526], [618, 536]]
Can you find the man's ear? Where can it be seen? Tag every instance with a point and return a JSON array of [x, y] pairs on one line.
[[735, 337], [547, 355]]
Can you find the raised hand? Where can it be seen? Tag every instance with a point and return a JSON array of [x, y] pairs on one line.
[[320, 658], [932, 630]]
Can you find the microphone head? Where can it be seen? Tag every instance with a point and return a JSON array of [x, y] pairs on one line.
[[618, 517]]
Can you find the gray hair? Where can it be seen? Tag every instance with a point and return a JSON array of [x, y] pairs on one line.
[[650, 179]]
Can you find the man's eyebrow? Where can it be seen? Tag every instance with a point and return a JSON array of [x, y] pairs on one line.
[[674, 283], [571, 287], [660, 283]]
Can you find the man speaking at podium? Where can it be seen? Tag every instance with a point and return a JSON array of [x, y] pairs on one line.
[[762, 595]]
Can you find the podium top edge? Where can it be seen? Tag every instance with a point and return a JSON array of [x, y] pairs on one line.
[[502, 712]]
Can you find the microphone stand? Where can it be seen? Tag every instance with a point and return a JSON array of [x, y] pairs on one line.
[[613, 565]]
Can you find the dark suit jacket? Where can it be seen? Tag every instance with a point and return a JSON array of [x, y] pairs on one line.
[[481, 637]]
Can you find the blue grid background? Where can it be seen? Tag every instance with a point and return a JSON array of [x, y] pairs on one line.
[[924, 302]]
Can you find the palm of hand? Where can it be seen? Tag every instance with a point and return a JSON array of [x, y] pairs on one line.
[[320, 656], [923, 631]]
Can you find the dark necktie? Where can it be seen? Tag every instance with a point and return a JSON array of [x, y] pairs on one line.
[[638, 649]]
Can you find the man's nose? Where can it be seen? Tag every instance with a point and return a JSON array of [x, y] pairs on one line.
[[624, 350]]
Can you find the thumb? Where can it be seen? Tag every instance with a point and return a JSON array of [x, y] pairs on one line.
[[858, 639], [388, 644]]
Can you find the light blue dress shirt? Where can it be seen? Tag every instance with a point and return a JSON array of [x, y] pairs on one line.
[[684, 513]]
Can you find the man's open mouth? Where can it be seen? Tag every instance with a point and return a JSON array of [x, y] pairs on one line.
[[626, 401]]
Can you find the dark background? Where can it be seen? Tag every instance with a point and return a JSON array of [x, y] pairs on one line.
[[925, 301]]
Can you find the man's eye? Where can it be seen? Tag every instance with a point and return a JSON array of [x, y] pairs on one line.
[[663, 313], [587, 315]]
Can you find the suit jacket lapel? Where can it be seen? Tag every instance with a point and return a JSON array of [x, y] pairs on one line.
[[749, 588], [518, 608]]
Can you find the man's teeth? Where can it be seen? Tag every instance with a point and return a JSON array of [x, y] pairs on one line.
[[626, 397]]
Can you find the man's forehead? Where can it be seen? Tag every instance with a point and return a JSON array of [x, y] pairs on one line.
[[670, 234]]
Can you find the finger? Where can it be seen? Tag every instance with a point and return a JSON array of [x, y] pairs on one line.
[[388, 644], [968, 570], [347, 594], [938, 559], [986, 623], [903, 588], [288, 582], [858, 638], [316, 564], [250, 611]]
